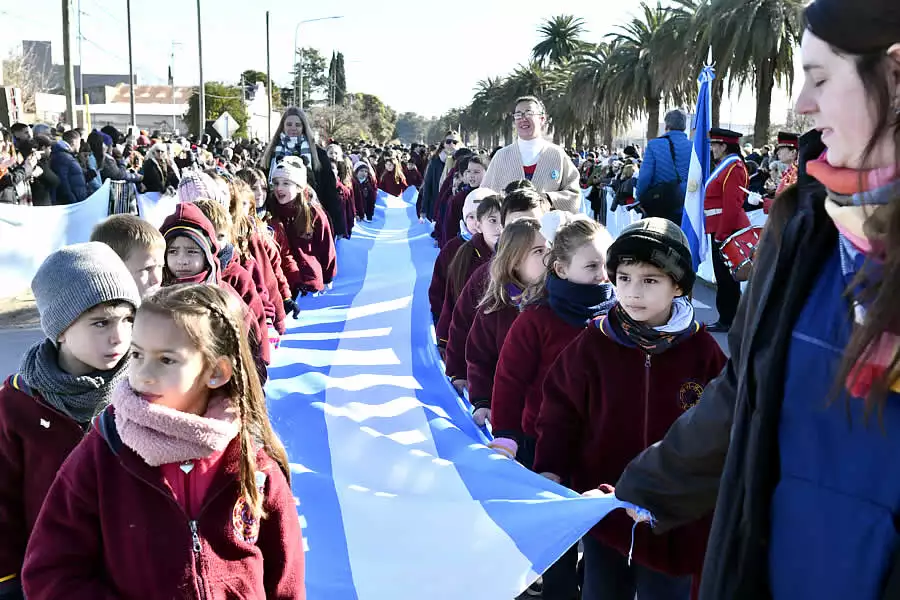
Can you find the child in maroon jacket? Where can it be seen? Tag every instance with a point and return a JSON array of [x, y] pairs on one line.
[[192, 256], [364, 191], [469, 257], [475, 167], [392, 180], [248, 193], [86, 298], [412, 173], [468, 229], [348, 207], [517, 265], [614, 391], [139, 244], [450, 184], [517, 204], [302, 230], [576, 290], [181, 488], [234, 273]]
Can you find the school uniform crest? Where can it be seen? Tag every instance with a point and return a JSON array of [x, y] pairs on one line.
[[246, 526], [689, 394]]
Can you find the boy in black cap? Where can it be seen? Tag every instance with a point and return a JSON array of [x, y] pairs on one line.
[[614, 391]]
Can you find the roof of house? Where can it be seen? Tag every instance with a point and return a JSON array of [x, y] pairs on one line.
[[149, 94]]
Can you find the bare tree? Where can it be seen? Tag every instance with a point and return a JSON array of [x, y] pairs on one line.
[[21, 70]]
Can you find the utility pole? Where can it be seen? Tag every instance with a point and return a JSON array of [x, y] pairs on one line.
[[130, 67], [67, 61], [202, 85], [300, 77], [80, 95], [298, 54], [172, 85], [268, 76]]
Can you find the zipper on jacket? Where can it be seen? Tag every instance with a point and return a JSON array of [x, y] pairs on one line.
[[195, 538], [647, 401], [196, 546]]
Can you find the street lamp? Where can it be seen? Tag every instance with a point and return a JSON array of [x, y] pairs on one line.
[[298, 52]]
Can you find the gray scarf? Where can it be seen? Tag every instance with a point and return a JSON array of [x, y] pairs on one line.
[[81, 397]]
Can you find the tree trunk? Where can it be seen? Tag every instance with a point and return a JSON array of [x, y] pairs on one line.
[[718, 90], [765, 82], [608, 137], [652, 105]]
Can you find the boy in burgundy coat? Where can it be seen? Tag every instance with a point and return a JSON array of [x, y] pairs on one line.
[[468, 229], [614, 391], [364, 191], [475, 167], [471, 255], [413, 174], [86, 298]]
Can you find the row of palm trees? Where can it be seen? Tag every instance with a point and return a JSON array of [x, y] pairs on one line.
[[593, 89]]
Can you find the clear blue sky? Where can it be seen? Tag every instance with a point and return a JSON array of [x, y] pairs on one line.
[[390, 51]]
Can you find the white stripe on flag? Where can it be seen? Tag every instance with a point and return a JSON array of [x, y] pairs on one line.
[[436, 534]]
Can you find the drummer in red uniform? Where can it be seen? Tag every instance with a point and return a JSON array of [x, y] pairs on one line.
[[787, 151], [724, 210]]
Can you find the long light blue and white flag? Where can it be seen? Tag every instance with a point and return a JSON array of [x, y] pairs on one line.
[[693, 220], [397, 495]]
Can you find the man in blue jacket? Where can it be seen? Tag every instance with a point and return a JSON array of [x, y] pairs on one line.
[[659, 168], [72, 184]]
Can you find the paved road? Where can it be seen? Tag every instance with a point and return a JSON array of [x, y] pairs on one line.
[[13, 344], [705, 307]]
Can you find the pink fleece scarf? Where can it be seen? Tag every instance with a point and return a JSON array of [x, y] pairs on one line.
[[162, 435]]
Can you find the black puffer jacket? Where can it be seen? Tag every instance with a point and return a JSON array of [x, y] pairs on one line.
[[723, 453]]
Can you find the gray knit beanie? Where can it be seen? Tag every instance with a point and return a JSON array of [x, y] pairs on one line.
[[75, 279]]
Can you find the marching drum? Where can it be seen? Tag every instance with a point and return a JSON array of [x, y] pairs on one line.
[[738, 251]]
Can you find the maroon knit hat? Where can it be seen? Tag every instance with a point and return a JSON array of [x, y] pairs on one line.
[[190, 222]]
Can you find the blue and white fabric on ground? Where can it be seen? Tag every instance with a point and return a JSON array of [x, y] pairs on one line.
[[397, 496]]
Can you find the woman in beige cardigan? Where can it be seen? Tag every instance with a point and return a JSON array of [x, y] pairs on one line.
[[532, 157]]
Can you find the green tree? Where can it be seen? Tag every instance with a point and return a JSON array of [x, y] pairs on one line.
[[757, 38], [337, 79], [340, 80], [251, 77], [640, 76], [490, 111], [341, 122], [410, 127], [589, 94], [315, 74], [560, 39], [219, 97], [380, 118]]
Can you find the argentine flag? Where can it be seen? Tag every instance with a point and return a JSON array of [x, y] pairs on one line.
[[693, 220], [398, 497]]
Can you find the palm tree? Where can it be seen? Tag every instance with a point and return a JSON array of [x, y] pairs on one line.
[[491, 110], [642, 71], [561, 39], [588, 93], [758, 36]]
